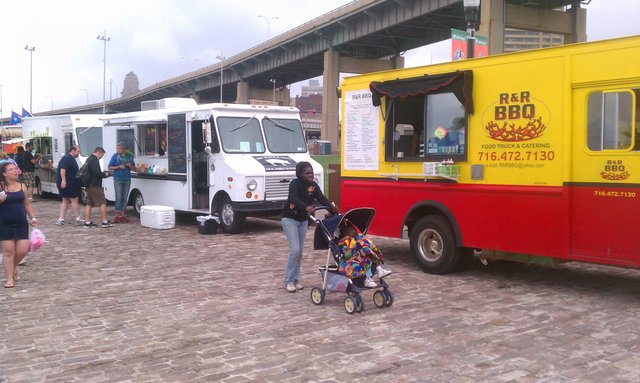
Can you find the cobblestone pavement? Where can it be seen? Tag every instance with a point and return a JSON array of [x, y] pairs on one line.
[[133, 304]]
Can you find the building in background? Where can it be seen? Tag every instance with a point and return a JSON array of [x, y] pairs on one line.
[[131, 84], [310, 105]]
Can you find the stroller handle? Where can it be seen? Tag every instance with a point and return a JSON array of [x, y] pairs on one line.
[[327, 208]]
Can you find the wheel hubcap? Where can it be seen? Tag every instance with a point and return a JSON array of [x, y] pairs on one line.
[[139, 202], [227, 215], [431, 245]]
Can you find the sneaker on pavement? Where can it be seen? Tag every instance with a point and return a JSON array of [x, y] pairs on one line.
[[291, 287], [60, 222], [107, 223], [79, 221], [116, 219], [382, 272], [89, 225], [369, 283], [299, 285]]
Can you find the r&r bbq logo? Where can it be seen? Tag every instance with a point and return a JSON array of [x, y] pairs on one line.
[[614, 170], [516, 117]]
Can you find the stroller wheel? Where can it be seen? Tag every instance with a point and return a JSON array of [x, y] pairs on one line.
[[389, 298], [359, 303], [317, 296], [350, 305], [379, 299]]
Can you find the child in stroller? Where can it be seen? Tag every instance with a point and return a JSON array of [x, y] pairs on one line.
[[358, 255], [341, 235]]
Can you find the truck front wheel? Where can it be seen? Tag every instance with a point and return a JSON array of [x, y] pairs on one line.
[[433, 246], [231, 220]]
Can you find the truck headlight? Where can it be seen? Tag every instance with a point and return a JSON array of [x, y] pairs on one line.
[[252, 184]]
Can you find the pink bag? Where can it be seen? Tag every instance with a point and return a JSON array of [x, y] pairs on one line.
[[36, 239]]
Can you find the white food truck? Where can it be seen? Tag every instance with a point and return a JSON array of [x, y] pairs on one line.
[[230, 159], [52, 138]]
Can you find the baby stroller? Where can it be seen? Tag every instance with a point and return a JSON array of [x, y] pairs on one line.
[[327, 235]]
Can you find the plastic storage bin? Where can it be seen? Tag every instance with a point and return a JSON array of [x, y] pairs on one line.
[[157, 217], [207, 224]]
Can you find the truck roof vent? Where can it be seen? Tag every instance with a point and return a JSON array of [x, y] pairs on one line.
[[165, 103]]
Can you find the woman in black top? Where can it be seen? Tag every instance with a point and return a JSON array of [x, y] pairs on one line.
[[302, 192]]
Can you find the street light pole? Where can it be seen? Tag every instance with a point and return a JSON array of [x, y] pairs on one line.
[[30, 49], [268, 24], [221, 58], [273, 81], [87, 92], [1, 105], [104, 38], [471, 10]]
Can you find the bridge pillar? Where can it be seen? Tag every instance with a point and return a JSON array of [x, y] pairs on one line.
[[333, 65], [246, 93]]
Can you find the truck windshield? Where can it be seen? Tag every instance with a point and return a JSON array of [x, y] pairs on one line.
[[89, 139], [240, 135], [284, 135]]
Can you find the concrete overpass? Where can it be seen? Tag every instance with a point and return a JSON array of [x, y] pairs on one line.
[[359, 37]]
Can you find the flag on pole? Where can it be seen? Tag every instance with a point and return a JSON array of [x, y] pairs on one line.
[[25, 113], [15, 118]]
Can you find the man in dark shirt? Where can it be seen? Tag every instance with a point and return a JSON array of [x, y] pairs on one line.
[[95, 192], [28, 169]]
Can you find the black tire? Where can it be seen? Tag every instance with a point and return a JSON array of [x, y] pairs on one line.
[[83, 196], [317, 296], [359, 303], [433, 246], [350, 305], [389, 298], [231, 221], [379, 299], [138, 202]]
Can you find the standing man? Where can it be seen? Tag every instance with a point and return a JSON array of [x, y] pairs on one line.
[[29, 169], [95, 192], [121, 164], [69, 185]]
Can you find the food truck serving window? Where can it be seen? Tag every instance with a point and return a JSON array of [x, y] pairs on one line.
[[240, 135], [426, 117], [611, 120]]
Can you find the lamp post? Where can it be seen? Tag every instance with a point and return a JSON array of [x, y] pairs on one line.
[[268, 24], [0, 104], [30, 49], [221, 58], [471, 10], [51, 98], [114, 85], [273, 81], [104, 39], [87, 92]]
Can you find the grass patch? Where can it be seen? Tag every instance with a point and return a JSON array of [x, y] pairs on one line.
[[325, 160]]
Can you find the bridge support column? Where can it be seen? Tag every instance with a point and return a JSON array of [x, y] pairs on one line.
[[242, 92], [333, 65], [492, 17]]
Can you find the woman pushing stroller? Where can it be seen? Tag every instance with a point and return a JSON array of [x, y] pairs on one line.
[[358, 255], [303, 191]]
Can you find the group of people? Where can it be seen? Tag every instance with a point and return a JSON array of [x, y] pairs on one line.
[[358, 255], [16, 186], [69, 185]]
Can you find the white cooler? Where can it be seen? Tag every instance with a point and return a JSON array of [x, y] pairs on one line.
[[157, 217]]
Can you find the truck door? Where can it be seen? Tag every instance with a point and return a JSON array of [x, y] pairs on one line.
[[604, 189], [199, 168]]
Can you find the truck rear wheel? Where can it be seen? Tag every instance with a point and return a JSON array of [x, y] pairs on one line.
[[231, 220], [433, 246], [138, 202]]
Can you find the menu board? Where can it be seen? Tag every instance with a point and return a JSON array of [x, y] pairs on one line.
[[177, 143], [361, 131]]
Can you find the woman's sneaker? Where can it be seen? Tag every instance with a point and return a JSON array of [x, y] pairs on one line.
[[291, 287], [299, 285], [60, 222], [369, 283]]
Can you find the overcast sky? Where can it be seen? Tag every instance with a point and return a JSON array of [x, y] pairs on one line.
[[161, 39]]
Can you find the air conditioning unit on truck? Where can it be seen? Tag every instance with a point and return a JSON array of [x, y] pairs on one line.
[[228, 159], [530, 154]]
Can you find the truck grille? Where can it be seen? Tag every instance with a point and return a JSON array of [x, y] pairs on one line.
[[276, 187]]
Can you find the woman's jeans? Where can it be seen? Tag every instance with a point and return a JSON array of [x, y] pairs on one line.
[[295, 231], [122, 192]]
